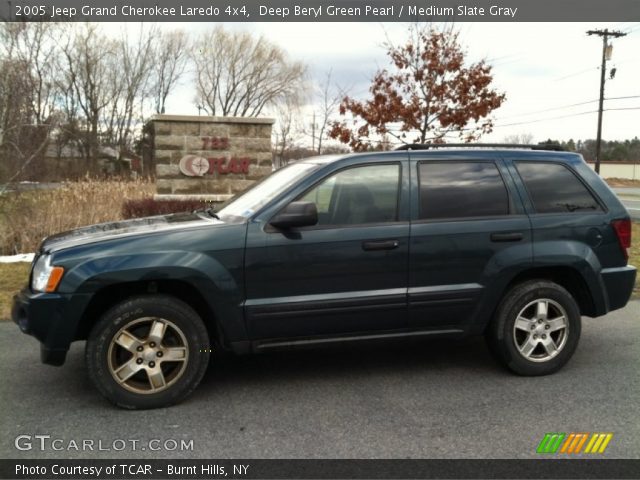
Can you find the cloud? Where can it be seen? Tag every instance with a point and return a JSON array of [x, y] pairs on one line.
[[541, 66]]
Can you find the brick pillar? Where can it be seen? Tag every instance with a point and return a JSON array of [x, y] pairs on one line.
[[209, 157]]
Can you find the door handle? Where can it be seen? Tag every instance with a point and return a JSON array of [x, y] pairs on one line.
[[507, 237], [380, 245]]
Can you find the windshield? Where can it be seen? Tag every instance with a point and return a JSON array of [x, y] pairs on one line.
[[249, 202]]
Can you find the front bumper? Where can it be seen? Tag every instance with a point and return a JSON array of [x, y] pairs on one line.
[[619, 283], [51, 318]]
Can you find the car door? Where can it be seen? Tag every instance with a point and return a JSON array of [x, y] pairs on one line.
[[348, 273], [469, 234]]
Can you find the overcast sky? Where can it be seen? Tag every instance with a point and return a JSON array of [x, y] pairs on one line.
[[544, 68]]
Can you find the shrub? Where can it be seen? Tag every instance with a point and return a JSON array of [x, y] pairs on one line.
[[146, 207]]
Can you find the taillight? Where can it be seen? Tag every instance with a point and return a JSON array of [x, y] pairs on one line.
[[623, 232]]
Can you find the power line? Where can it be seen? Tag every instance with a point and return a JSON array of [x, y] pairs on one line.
[[633, 29], [621, 108], [622, 98], [550, 109], [575, 74], [567, 106], [565, 116], [545, 119]]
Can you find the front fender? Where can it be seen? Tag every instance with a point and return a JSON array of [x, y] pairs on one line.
[[218, 280]]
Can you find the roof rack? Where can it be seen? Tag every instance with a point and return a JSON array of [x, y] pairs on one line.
[[427, 146]]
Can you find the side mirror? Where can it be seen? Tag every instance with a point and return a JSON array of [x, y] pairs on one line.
[[296, 214]]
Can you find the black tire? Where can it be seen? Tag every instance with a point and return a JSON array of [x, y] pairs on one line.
[[504, 338], [184, 343]]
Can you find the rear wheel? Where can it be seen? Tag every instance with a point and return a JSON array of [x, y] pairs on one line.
[[536, 329], [147, 352]]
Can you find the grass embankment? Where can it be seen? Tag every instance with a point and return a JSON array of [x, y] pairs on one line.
[[13, 276]]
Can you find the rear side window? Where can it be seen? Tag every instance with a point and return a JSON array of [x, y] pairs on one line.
[[553, 188], [461, 189]]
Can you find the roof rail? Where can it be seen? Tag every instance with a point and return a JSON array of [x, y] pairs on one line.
[[427, 146]]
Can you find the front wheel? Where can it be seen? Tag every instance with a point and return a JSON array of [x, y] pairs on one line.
[[147, 352], [536, 328]]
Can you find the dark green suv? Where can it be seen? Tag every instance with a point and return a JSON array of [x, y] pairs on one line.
[[512, 243]]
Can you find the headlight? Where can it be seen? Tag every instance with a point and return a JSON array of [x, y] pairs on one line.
[[45, 277]]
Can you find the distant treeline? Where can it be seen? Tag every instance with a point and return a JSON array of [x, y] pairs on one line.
[[612, 150]]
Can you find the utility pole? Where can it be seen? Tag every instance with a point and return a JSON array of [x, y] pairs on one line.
[[605, 34]]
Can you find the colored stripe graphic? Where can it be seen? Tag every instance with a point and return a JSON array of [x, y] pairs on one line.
[[550, 443], [572, 443], [598, 442]]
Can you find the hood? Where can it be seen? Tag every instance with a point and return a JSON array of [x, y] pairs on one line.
[[137, 226]]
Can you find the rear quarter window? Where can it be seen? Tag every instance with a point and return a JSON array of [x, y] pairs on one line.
[[553, 188]]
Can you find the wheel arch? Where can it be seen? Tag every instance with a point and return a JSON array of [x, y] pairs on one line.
[[567, 277], [111, 295]]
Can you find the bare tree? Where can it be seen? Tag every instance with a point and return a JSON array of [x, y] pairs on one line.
[[33, 44], [91, 72], [132, 82], [170, 60], [329, 96], [239, 75], [519, 138], [287, 114], [26, 98]]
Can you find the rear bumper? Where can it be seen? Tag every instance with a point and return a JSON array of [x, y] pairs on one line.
[[618, 283], [51, 318]]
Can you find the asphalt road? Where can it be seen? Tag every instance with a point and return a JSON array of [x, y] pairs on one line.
[[630, 197], [442, 399]]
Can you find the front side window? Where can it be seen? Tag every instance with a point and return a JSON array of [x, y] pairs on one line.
[[553, 188], [461, 190], [359, 195]]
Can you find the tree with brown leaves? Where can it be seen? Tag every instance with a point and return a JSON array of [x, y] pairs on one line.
[[429, 95]]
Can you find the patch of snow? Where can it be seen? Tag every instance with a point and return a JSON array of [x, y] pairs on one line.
[[22, 257]]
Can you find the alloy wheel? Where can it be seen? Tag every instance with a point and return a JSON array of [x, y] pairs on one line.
[[541, 330], [148, 355]]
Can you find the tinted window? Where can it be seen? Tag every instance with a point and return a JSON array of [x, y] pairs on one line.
[[367, 194], [461, 189], [554, 188]]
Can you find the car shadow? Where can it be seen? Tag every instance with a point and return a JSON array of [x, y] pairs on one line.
[[335, 363]]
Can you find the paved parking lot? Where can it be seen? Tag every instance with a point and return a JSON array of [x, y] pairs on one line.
[[630, 197], [434, 399]]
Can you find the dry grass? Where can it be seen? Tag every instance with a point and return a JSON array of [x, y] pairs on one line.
[[27, 217], [622, 182], [13, 276]]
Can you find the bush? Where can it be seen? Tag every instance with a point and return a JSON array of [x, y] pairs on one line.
[[146, 207], [27, 217]]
